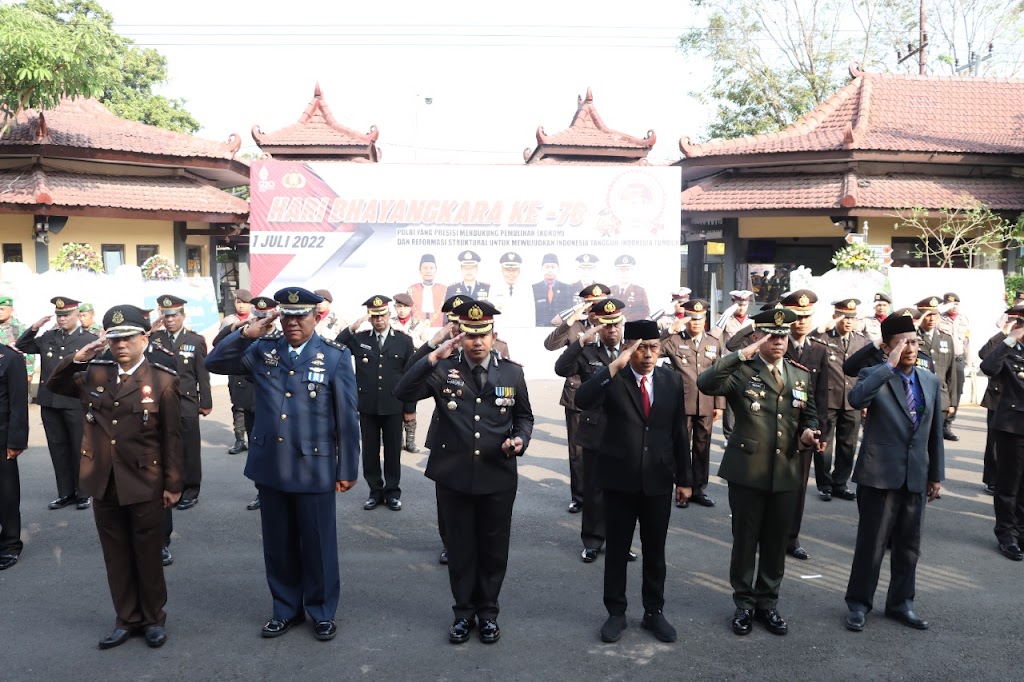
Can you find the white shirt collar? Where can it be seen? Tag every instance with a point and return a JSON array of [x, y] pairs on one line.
[[131, 371]]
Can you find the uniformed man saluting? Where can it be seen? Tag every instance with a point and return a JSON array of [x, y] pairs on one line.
[[484, 422], [305, 447], [131, 464]]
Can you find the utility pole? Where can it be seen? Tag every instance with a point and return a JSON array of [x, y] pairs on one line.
[[973, 65], [921, 44]]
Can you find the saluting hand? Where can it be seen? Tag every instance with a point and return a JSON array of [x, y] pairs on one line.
[[157, 324], [442, 334], [896, 352], [445, 350], [618, 363], [588, 336], [512, 446], [261, 326], [344, 486], [42, 320], [581, 310], [678, 325], [354, 327], [750, 351], [91, 349]]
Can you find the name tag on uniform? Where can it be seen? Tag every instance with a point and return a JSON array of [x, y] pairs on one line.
[[364, 346]]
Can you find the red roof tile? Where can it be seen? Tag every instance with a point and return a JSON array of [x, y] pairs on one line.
[[317, 127], [728, 193], [87, 124], [38, 186], [892, 112], [588, 135]]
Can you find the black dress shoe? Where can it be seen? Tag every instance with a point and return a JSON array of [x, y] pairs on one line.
[[276, 627], [612, 628], [325, 630], [63, 501], [825, 494], [187, 503], [908, 618], [990, 489], [575, 507], [631, 556], [742, 621], [238, 447], [659, 627], [83, 503], [589, 556], [1011, 551], [855, 620], [254, 505], [115, 638], [703, 500], [8, 560], [460, 629], [165, 556], [798, 553], [773, 622], [443, 559], [489, 631], [844, 493], [683, 505], [156, 636], [949, 435], [371, 504], [394, 504]]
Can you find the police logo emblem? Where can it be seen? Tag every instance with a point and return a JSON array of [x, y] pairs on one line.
[[609, 307], [697, 307], [803, 301], [167, 302], [456, 303], [780, 318], [851, 305], [117, 317], [293, 297], [59, 302], [262, 305], [934, 302], [475, 313], [377, 302]]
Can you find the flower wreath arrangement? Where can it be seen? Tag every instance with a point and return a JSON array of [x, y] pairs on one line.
[[856, 256], [159, 269], [74, 256]]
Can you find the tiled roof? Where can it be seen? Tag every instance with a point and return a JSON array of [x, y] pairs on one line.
[[38, 186], [588, 135], [891, 112], [317, 127], [727, 193], [87, 124]]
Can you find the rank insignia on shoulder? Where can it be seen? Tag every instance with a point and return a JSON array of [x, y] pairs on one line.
[[272, 335], [798, 365], [163, 368], [332, 343]]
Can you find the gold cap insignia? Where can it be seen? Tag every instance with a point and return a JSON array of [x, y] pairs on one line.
[[456, 303], [475, 313], [167, 302], [934, 302], [586, 259], [261, 305], [293, 297], [117, 317], [377, 302], [803, 301], [697, 307], [950, 299], [780, 318], [596, 291], [60, 302], [907, 313], [851, 304], [609, 307]]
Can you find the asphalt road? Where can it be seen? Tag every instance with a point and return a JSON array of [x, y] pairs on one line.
[[396, 603]]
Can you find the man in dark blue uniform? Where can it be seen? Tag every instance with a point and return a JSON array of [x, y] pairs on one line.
[[484, 422], [381, 355], [304, 448]]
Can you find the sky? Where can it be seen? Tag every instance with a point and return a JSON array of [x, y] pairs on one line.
[[493, 72]]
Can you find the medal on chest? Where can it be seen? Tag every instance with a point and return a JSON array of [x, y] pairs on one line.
[[505, 396]]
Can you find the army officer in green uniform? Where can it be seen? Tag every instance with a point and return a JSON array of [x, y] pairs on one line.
[[775, 413]]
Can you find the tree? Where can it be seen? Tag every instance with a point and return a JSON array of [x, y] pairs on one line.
[[960, 234], [43, 59], [130, 94], [775, 61]]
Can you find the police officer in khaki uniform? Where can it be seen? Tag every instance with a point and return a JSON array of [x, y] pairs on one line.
[[735, 320], [775, 416], [131, 464], [872, 326], [956, 324], [690, 350], [939, 347]]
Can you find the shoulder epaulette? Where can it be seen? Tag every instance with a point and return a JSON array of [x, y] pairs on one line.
[[156, 345], [332, 343], [276, 334], [100, 361], [163, 367], [798, 365], [512, 362], [817, 340]]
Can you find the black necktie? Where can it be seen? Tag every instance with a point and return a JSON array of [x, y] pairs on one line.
[[480, 375]]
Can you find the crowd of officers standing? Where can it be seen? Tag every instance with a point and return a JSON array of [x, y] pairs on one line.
[[121, 407]]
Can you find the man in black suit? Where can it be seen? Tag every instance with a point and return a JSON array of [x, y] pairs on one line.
[[61, 415], [13, 441], [643, 453], [484, 421], [899, 467], [380, 355], [550, 296]]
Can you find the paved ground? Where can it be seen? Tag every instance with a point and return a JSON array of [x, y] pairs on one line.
[[395, 611]]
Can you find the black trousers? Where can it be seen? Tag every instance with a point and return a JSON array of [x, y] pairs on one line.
[[238, 422], [1008, 501], [577, 484], [698, 434], [441, 530], [10, 506], [805, 456], [592, 523], [760, 527], [959, 364], [621, 511], [728, 421], [478, 529], [886, 514], [988, 475], [63, 428], [375, 429], [131, 537], [841, 434], [192, 446]]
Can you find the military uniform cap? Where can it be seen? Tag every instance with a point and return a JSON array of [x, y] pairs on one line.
[[609, 311], [681, 294], [243, 295], [403, 299], [63, 305], [85, 308], [170, 305], [801, 302], [6, 300], [929, 304], [595, 292], [625, 261], [951, 297], [644, 330], [846, 306], [125, 320], [775, 321], [468, 256], [741, 294], [511, 259], [452, 301], [325, 293], [377, 305], [476, 317], [771, 305], [696, 308], [1015, 311], [263, 305], [882, 297], [586, 260], [296, 301], [912, 313]]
